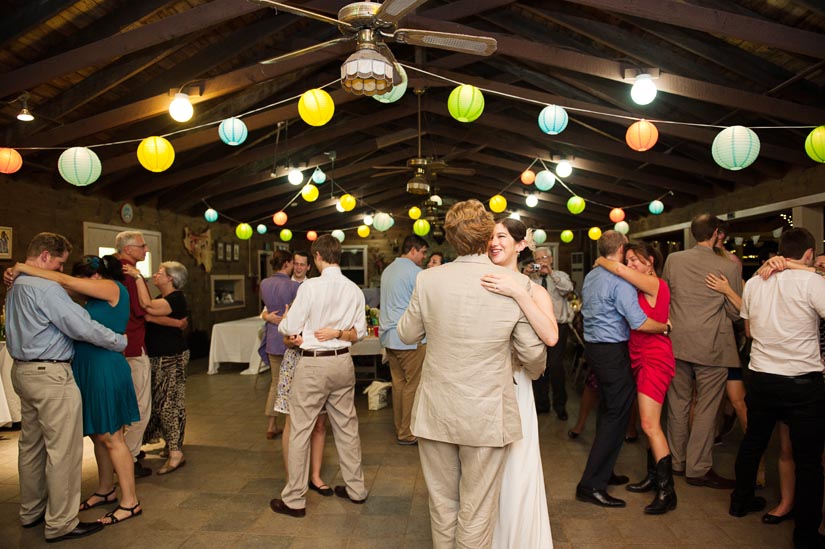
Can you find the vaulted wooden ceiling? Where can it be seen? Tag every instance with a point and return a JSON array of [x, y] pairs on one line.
[[101, 71]]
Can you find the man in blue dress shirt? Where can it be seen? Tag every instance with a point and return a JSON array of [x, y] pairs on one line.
[[609, 305], [41, 324], [397, 284]]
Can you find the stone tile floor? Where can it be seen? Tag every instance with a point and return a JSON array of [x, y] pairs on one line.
[[221, 498]]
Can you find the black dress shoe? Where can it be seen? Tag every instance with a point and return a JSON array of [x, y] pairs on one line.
[[341, 492], [141, 471], [36, 522], [562, 414], [598, 497], [324, 490], [712, 480], [768, 518], [617, 480], [280, 507], [741, 509], [82, 529], [573, 435]]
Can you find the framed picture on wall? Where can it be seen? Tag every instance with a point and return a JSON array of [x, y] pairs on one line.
[[236, 255], [220, 251], [228, 255], [6, 234]]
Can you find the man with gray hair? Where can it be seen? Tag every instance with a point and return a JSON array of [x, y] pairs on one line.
[[558, 285], [131, 249]]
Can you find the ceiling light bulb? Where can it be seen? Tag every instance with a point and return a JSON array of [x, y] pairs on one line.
[[338, 206], [564, 168], [515, 215], [643, 91], [25, 115], [368, 220], [295, 176], [180, 108], [532, 200], [437, 199]]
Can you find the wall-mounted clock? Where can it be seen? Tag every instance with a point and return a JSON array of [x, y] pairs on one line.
[[127, 212]]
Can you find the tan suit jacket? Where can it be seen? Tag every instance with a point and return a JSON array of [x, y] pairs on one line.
[[466, 394], [702, 318]]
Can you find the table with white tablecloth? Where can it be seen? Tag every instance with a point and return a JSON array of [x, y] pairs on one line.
[[9, 401]]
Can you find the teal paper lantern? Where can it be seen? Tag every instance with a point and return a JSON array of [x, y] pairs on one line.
[[232, 131], [397, 91], [261, 228], [79, 166], [466, 103], [318, 176], [382, 221], [656, 207], [339, 234], [553, 119], [575, 205], [735, 148], [621, 227], [545, 180], [539, 236], [210, 215]]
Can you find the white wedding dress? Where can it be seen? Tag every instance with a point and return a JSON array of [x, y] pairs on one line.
[[523, 520]]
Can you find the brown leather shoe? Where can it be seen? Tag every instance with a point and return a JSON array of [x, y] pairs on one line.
[[341, 492], [280, 507], [712, 480]]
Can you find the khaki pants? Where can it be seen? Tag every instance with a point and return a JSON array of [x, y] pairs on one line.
[[51, 444], [275, 370], [142, 379], [405, 368], [316, 381], [464, 483]]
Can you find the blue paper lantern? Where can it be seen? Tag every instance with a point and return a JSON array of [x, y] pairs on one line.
[[545, 180], [233, 131], [539, 236], [397, 91], [553, 119], [261, 228], [339, 234], [656, 207], [735, 147], [318, 176], [210, 215]]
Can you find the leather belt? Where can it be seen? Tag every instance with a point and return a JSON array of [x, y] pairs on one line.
[[44, 360], [331, 352]]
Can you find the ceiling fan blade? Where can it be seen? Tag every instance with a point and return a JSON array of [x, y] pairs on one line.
[[458, 154], [457, 171], [398, 168], [392, 11], [463, 43], [385, 174], [296, 53], [306, 13]]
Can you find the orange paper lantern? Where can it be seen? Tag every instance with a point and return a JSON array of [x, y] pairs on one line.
[[641, 136], [616, 215], [279, 219], [312, 235], [10, 160], [528, 176]]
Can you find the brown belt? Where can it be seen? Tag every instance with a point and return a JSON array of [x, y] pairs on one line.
[[331, 352]]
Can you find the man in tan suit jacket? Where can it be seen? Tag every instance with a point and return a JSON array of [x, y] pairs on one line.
[[704, 347], [465, 411]]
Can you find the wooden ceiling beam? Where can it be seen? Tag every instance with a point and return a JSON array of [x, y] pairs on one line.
[[28, 15]]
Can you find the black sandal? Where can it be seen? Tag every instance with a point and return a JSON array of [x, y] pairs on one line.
[[85, 506], [114, 520]]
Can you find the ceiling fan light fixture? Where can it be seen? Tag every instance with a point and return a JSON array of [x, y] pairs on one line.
[[367, 72], [418, 184]]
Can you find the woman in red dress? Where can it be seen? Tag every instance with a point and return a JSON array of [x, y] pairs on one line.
[[651, 357]]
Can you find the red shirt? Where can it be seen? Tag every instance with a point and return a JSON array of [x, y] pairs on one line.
[[136, 327]]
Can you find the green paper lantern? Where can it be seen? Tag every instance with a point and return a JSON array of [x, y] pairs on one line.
[[575, 205], [286, 235], [79, 166], [466, 103], [566, 236], [815, 144], [243, 231], [735, 148], [421, 227], [539, 236]]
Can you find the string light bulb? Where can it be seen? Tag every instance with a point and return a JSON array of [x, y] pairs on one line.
[[295, 176], [564, 168], [644, 90], [180, 109]]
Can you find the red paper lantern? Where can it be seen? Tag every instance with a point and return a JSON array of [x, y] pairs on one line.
[[641, 136], [10, 160], [528, 177], [616, 215], [279, 219]]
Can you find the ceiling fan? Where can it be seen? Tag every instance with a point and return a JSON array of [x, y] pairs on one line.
[[425, 169], [371, 69]]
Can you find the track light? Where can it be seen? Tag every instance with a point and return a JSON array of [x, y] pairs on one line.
[[25, 114]]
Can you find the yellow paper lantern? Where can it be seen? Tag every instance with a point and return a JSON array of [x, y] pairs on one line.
[[594, 233], [10, 160], [498, 203], [316, 107], [414, 212], [309, 192], [363, 231], [421, 227], [155, 154], [347, 202]]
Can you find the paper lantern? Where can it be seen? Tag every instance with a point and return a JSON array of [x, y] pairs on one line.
[[566, 236], [498, 203], [318, 176], [466, 103], [397, 91], [155, 154], [421, 227], [210, 215], [316, 107], [539, 236], [641, 136], [575, 205], [553, 119], [414, 212], [312, 236], [261, 228], [309, 192], [339, 234], [594, 233], [735, 148], [616, 215], [243, 231], [621, 227], [279, 219], [564, 168], [232, 131], [79, 166], [363, 231], [528, 177], [545, 180], [286, 235], [532, 201], [382, 221], [815, 144], [347, 202], [10, 160], [656, 207]]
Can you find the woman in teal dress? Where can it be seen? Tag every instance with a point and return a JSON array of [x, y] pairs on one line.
[[104, 379]]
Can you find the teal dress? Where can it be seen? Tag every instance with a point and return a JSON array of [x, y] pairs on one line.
[[104, 377]]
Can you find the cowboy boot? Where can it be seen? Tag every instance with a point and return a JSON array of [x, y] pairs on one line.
[[665, 499], [649, 482]]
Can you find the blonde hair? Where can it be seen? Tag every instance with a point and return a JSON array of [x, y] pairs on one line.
[[468, 227]]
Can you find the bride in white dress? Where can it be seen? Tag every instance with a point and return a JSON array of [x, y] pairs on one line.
[[523, 520]]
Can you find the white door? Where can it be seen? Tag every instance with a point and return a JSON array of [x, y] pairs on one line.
[[99, 239]]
